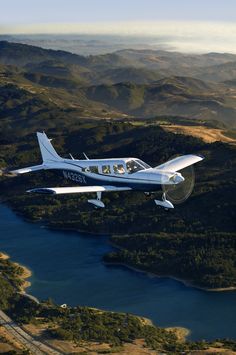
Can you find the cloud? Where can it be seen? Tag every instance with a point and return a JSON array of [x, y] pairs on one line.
[[183, 36]]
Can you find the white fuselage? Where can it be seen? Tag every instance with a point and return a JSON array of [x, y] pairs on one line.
[[130, 172]]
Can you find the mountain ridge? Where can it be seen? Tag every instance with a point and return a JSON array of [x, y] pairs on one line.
[[107, 86]]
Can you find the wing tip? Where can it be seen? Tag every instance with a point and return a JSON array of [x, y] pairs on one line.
[[41, 190], [201, 156]]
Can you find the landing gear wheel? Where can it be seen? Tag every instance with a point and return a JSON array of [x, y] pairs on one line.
[[97, 203]]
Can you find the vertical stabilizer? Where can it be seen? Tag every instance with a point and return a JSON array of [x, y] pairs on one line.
[[46, 148]]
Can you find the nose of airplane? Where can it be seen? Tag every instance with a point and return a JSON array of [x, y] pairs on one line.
[[178, 179]]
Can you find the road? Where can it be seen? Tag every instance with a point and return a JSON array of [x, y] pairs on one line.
[[35, 346]]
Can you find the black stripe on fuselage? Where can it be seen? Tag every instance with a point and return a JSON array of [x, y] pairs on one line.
[[89, 180]]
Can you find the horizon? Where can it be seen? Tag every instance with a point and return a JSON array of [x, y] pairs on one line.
[[202, 27], [203, 37]]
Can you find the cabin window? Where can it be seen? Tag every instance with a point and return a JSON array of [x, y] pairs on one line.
[[93, 169], [86, 169], [106, 169], [118, 169], [133, 166]]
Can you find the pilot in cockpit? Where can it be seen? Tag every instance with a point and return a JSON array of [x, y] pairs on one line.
[[121, 169]]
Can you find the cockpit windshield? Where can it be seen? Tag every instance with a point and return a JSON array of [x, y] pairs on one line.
[[134, 165], [145, 165]]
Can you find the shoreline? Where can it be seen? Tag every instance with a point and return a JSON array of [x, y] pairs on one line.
[[180, 332], [183, 281], [27, 273], [71, 229]]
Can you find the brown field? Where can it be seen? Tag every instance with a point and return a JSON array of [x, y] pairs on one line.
[[8, 342], [208, 135], [212, 351]]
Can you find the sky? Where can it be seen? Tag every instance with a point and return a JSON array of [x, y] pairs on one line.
[[87, 11], [188, 24]]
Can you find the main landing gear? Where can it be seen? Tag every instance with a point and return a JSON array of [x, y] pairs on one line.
[[97, 202], [164, 203]]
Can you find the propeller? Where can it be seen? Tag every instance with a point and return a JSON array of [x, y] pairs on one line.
[[179, 193]]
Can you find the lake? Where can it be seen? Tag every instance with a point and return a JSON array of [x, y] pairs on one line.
[[67, 267]]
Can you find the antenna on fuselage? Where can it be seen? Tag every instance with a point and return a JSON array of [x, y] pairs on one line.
[[85, 156]]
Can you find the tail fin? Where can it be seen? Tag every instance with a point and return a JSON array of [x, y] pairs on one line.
[[46, 148]]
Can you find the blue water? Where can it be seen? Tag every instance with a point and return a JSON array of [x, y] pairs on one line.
[[67, 267]]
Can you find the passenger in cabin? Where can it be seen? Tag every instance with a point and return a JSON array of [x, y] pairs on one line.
[[118, 169], [106, 169]]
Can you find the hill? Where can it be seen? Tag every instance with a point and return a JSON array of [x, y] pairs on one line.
[[123, 74], [218, 73], [118, 84], [54, 93], [22, 54], [183, 96], [214, 67], [35, 96], [169, 58]]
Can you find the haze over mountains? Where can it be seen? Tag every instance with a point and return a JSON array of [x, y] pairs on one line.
[[136, 83]]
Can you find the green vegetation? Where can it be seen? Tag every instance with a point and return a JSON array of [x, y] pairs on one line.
[[10, 281], [205, 260], [82, 323], [48, 84], [6, 293], [203, 226]]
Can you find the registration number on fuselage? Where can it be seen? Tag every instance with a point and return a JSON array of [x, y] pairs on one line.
[[74, 177]]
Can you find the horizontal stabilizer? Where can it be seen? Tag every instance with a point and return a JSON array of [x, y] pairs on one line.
[[28, 170], [179, 163], [77, 189]]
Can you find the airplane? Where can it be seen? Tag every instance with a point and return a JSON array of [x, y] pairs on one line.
[[109, 175]]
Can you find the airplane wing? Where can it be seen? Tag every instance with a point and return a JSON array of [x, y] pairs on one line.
[[77, 189], [179, 163]]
